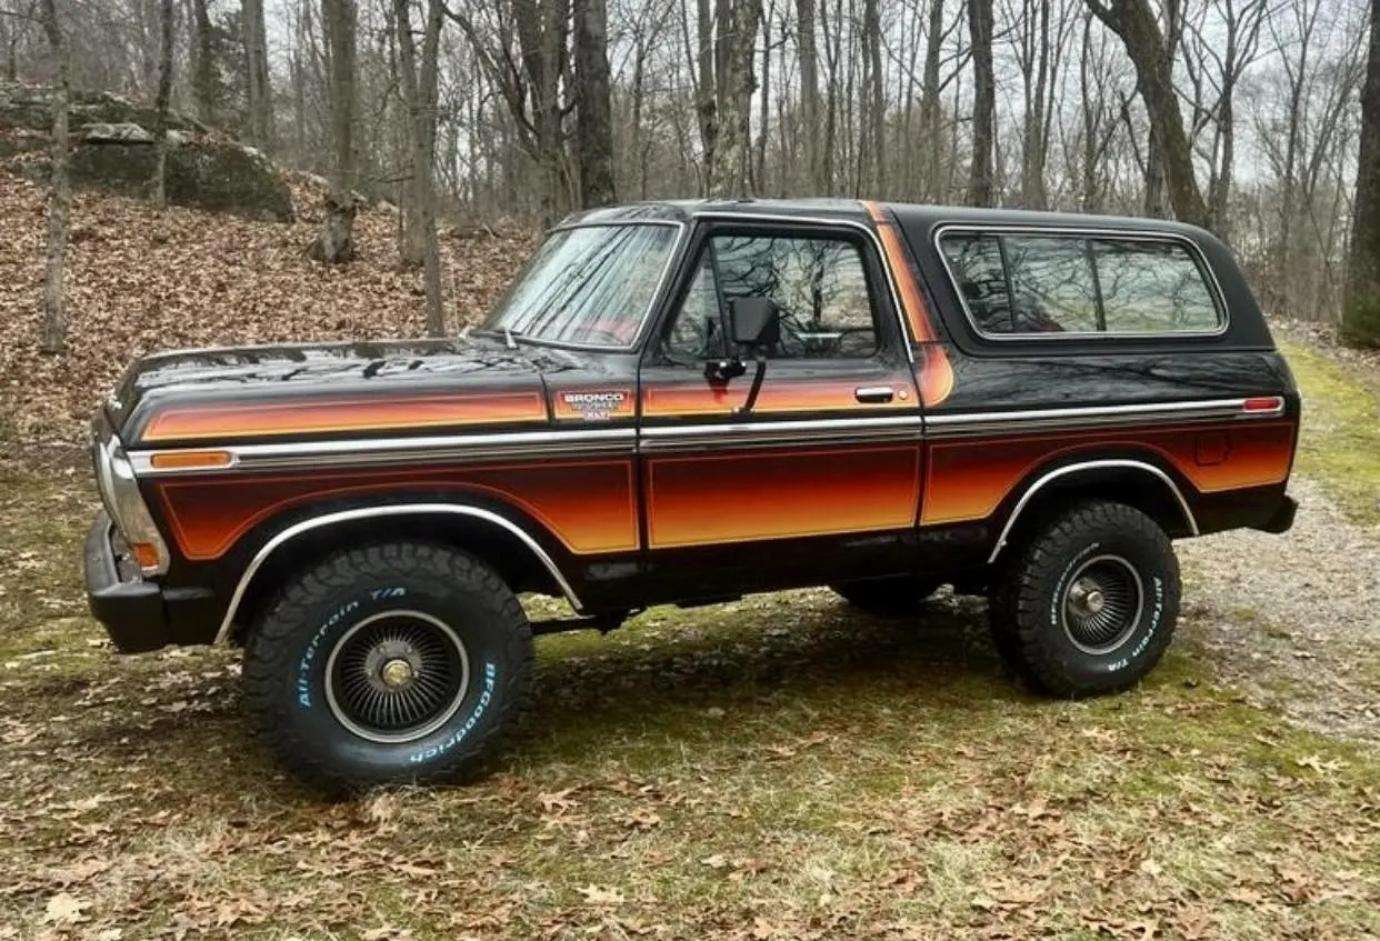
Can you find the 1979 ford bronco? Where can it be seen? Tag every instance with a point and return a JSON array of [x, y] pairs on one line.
[[683, 402]]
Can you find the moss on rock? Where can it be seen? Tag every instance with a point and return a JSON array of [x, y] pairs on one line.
[[220, 176]]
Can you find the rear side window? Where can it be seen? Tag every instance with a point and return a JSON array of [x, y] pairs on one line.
[[1021, 284]]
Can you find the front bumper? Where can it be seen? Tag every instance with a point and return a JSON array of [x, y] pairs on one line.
[[141, 615]]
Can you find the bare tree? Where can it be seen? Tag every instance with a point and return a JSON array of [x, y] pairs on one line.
[[809, 96], [981, 191], [53, 338], [335, 243], [259, 89], [594, 125], [1361, 308], [422, 124], [165, 80], [728, 169], [205, 80], [1135, 23], [1219, 45]]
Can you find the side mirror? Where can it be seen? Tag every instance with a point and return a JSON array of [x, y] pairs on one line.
[[756, 321]]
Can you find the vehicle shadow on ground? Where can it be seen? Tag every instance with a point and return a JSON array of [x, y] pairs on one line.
[[655, 677]]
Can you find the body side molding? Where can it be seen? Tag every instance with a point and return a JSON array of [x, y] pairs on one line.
[[1118, 463], [406, 509]]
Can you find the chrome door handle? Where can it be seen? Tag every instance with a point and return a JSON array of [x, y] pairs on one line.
[[874, 394]]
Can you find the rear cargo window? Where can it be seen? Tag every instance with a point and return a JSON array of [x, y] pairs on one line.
[[1024, 284]]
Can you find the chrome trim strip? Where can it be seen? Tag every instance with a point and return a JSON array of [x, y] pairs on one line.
[[804, 433], [410, 509], [1076, 468], [374, 451], [906, 339], [767, 427], [1219, 297], [1203, 409]]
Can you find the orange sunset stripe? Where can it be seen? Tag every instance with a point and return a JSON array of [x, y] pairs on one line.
[[969, 479], [936, 376], [237, 420], [590, 506], [700, 398], [694, 501]]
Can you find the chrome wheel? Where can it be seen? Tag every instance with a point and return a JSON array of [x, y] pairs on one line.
[[397, 676], [1102, 604]]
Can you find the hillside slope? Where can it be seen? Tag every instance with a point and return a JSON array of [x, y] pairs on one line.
[[141, 281]]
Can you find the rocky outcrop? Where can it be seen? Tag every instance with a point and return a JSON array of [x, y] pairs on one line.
[[113, 149]]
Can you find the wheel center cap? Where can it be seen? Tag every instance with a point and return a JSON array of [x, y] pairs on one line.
[[396, 673], [1094, 600], [1087, 598]]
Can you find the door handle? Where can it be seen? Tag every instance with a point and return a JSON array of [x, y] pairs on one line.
[[874, 394]]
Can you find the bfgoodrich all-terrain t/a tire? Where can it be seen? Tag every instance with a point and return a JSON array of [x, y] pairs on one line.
[[1088, 604], [388, 663]]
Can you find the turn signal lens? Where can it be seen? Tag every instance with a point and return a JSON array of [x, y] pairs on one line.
[[146, 554], [1267, 403], [185, 460]]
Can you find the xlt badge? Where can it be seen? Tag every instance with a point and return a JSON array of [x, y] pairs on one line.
[[595, 405]]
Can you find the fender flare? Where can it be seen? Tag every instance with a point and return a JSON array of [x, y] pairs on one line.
[[1083, 466], [409, 509]]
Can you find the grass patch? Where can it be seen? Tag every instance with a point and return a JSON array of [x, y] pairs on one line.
[[1340, 440]]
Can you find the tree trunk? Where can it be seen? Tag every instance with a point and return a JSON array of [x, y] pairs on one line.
[[809, 96], [594, 122], [736, 40], [260, 124], [874, 139], [422, 125], [53, 338], [1361, 308], [706, 91], [335, 243], [980, 189], [1134, 22], [160, 128], [205, 84], [929, 102]]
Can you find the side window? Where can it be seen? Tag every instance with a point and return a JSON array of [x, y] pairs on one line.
[[1152, 287], [1052, 287], [977, 265], [818, 283], [1040, 284]]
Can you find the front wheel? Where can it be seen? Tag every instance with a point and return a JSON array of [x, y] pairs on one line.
[[1089, 604], [396, 662]]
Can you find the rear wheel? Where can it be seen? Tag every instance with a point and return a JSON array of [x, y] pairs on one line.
[[1089, 603], [890, 597], [397, 662]]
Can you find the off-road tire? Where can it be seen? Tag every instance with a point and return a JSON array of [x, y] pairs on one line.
[[290, 647], [887, 597], [1032, 606]]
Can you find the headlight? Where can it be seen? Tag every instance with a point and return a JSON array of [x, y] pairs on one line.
[[120, 494]]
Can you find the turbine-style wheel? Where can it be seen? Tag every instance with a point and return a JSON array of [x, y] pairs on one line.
[[396, 662], [1087, 603]]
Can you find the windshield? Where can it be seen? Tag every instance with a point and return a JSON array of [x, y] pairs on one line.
[[591, 285]]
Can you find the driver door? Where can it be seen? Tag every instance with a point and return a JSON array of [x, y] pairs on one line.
[[822, 476]]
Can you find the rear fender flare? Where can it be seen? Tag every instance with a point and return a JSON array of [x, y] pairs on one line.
[[1091, 468]]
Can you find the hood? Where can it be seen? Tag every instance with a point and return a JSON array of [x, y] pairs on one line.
[[201, 396]]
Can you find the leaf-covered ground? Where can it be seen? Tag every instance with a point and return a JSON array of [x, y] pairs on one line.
[[782, 767], [142, 281]]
